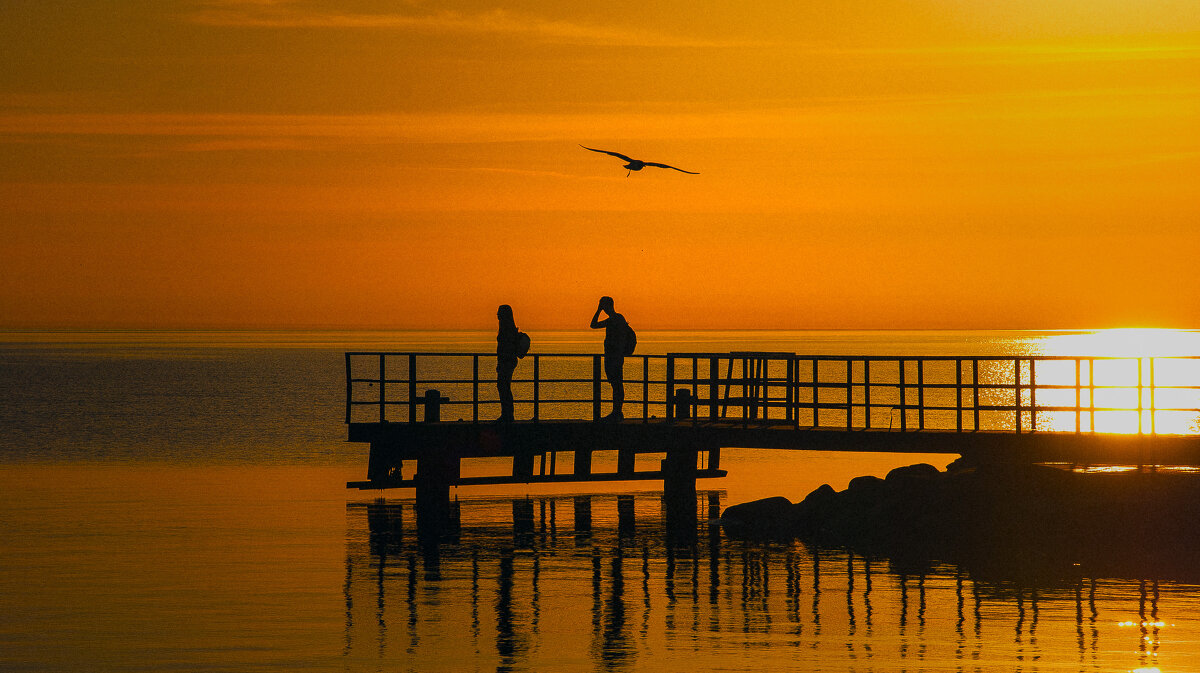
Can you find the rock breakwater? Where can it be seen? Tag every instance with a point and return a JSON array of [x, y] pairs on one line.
[[971, 512]]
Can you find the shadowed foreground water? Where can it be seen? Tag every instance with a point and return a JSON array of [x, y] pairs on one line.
[[259, 568], [538, 584]]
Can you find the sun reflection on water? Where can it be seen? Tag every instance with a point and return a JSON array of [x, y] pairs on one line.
[[1138, 380]]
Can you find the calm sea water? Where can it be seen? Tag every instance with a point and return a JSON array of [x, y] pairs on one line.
[[176, 502]]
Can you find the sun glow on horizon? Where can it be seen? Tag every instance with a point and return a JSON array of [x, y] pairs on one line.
[[1125, 342]]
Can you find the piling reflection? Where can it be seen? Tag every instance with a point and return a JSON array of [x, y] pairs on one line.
[[511, 641], [519, 588]]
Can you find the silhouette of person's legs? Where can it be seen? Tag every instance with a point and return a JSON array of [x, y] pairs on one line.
[[614, 371], [504, 376]]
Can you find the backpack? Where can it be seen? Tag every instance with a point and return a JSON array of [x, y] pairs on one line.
[[630, 341], [523, 344]]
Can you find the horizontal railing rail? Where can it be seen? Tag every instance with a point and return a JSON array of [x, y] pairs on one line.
[[1045, 393]]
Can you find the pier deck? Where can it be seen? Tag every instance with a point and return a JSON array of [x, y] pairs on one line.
[[682, 409]]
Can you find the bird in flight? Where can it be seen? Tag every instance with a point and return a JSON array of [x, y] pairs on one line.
[[637, 164]]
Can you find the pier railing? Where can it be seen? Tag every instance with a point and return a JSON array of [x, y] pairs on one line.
[[1158, 395]]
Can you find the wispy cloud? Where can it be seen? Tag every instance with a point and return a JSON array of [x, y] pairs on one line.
[[286, 14], [1033, 52], [776, 119], [243, 145], [214, 131]]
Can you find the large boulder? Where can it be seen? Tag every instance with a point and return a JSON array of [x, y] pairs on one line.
[[811, 513], [868, 483], [913, 472], [769, 517]]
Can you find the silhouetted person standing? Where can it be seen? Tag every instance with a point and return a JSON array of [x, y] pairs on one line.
[[507, 354], [615, 329]]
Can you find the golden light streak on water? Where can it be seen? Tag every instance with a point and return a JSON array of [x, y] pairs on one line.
[[1142, 381]]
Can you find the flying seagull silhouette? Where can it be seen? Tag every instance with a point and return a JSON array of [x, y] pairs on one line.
[[637, 164]]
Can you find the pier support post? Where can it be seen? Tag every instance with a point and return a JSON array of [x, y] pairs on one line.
[[435, 473], [626, 461], [381, 463], [433, 505], [523, 463], [679, 492], [583, 462], [679, 473]]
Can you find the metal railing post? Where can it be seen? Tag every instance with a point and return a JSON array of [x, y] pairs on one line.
[[596, 387], [815, 393], [903, 399], [713, 388], [1032, 395], [1017, 388], [746, 382], [475, 388], [1078, 396], [645, 388], [412, 387], [382, 384], [975, 391], [1153, 405], [1140, 389], [920, 394], [695, 388], [349, 388], [1092, 395], [849, 392], [537, 392], [867, 392], [958, 390], [792, 414], [670, 394]]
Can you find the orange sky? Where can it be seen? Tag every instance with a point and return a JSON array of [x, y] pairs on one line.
[[863, 164]]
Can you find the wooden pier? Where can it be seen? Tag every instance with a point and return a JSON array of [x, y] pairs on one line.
[[426, 414]]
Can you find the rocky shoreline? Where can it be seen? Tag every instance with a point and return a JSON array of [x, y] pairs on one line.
[[1031, 515]]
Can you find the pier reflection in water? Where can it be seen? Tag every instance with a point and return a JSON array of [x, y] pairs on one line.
[[599, 582]]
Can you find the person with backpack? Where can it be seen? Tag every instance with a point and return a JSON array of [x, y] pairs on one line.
[[511, 345], [619, 341]]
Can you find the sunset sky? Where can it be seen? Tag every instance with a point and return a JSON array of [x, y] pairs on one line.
[[411, 164]]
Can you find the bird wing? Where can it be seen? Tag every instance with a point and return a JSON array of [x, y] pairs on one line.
[[650, 163], [615, 154]]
